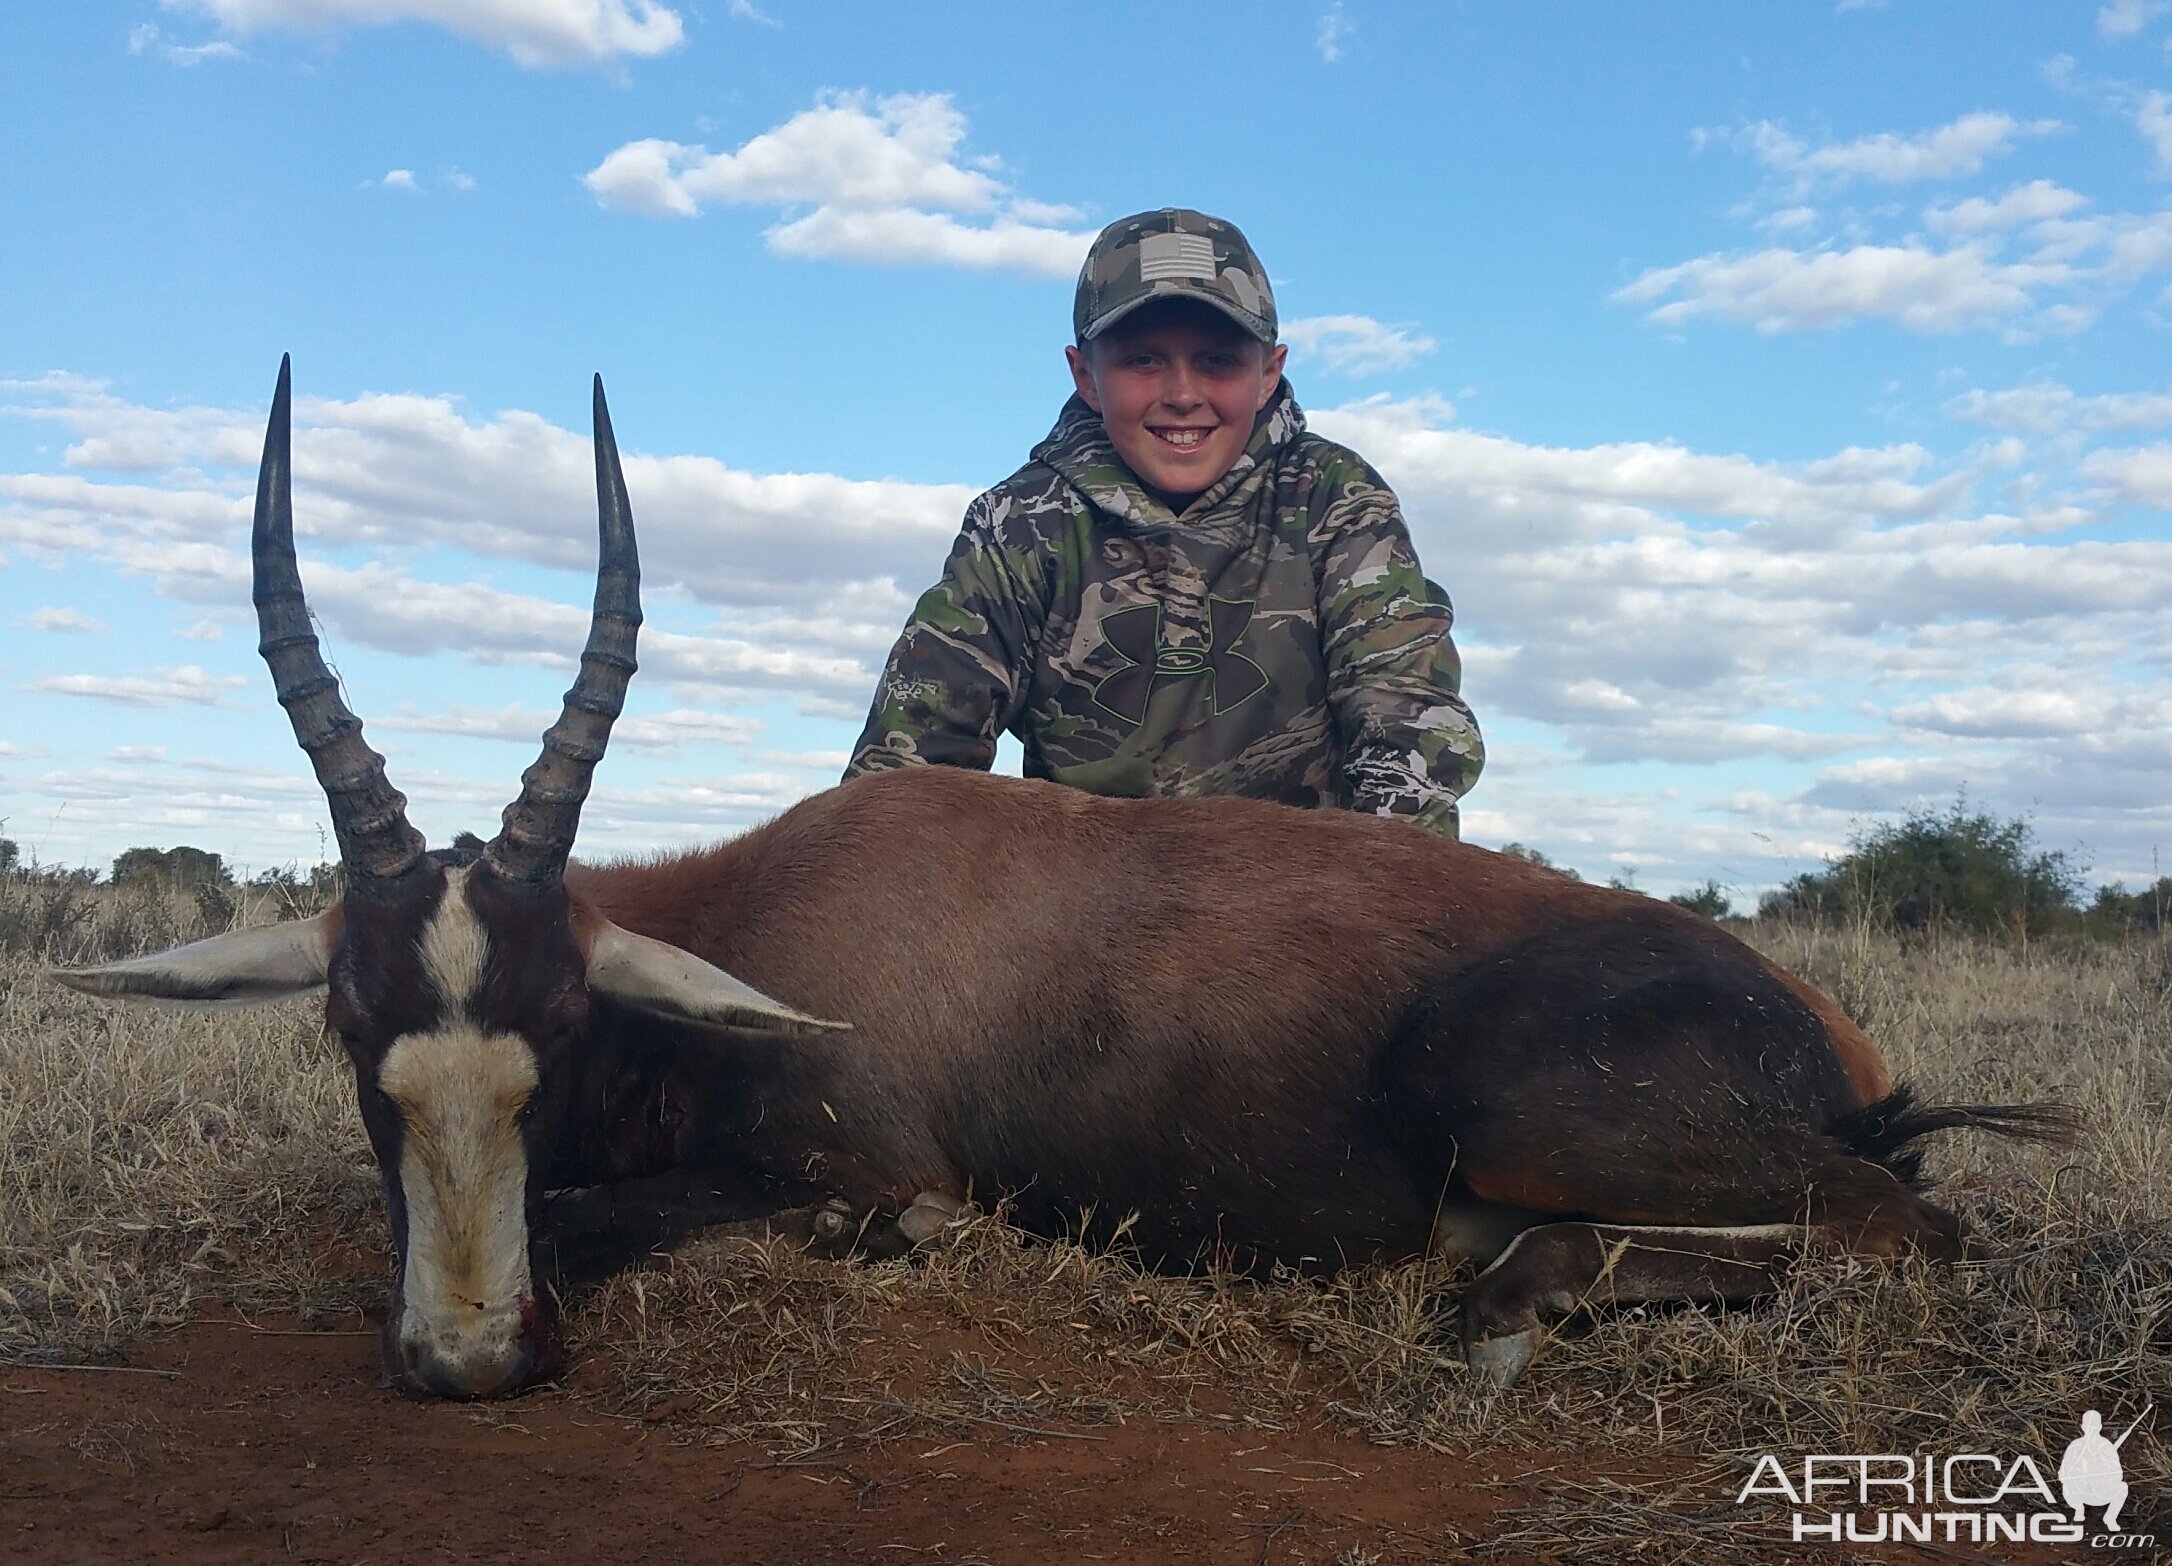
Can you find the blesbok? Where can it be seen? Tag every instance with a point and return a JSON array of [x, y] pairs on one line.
[[1267, 1033]]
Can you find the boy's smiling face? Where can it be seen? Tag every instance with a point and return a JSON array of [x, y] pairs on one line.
[[1177, 385]]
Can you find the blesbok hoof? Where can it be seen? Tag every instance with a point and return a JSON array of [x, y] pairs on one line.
[[833, 1229], [930, 1213], [1499, 1361]]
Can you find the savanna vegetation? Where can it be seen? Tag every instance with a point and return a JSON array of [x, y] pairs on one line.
[[1947, 869]]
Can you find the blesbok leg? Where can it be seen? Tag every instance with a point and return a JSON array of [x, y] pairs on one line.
[[1555, 1269], [596, 1230], [879, 1236], [1559, 1268]]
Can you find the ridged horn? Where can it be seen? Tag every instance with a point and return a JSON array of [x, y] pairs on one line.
[[537, 837], [369, 815]]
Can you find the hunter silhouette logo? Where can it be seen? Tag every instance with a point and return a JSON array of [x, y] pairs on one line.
[[1135, 635], [2090, 1473]]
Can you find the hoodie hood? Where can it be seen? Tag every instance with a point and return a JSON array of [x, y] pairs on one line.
[[1080, 450]]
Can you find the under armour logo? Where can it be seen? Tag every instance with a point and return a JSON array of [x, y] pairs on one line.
[[1135, 635]]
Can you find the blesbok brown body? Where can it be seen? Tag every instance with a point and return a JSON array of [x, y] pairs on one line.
[[1252, 1031]]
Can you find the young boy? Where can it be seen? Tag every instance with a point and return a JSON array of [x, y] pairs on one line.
[[1183, 592]]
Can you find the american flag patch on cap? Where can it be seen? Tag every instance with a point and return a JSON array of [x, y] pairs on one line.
[[1175, 255]]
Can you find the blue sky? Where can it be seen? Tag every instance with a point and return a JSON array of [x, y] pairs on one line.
[[1779, 391]]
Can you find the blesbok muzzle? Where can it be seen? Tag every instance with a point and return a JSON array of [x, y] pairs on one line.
[[492, 1360]]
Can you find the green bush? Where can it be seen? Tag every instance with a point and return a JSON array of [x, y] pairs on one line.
[[1955, 867], [1707, 899], [2117, 911], [181, 869], [1533, 857]]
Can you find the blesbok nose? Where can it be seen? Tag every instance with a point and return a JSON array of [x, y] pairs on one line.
[[476, 1350], [422, 1364]]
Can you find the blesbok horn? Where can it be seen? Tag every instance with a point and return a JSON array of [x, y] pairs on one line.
[[537, 836], [369, 815]]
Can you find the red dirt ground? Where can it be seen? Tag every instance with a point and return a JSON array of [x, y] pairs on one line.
[[237, 1440], [278, 1445]]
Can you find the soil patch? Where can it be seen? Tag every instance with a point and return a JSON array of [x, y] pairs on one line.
[[270, 1440], [244, 1440]]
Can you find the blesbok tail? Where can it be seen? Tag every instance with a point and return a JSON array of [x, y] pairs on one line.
[[1886, 1132]]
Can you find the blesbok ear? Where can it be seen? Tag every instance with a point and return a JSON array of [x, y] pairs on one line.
[[240, 968], [658, 978]]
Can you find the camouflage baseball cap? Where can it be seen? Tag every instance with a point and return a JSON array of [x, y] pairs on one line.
[[1174, 253]]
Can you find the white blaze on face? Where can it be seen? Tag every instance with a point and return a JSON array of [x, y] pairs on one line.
[[459, 1089]]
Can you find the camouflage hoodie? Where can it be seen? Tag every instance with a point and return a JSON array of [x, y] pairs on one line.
[[1277, 639]]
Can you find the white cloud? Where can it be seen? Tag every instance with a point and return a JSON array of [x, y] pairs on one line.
[[187, 685], [1781, 290], [411, 471], [275, 815], [2153, 118], [2125, 18], [688, 811], [1333, 29], [533, 32], [801, 571], [747, 11], [128, 437], [2040, 703], [2030, 263], [826, 761], [884, 177], [2138, 245], [145, 39], [647, 176], [2048, 408], [2138, 477], [1940, 153], [1788, 220], [65, 620], [2024, 204], [204, 630], [662, 733], [1832, 590], [1590, 490], [196, 54], [407, 179], [848, 150], [665, 733], [1356, 344], [899, 235]]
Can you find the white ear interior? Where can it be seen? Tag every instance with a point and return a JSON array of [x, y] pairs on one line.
[[660, 979], [240, 968]]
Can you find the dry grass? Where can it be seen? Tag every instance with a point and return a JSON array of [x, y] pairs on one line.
[[151, 1157], [149, 1160]]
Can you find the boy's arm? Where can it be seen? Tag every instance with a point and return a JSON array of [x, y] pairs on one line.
[[960, 669], [1410, 745]]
